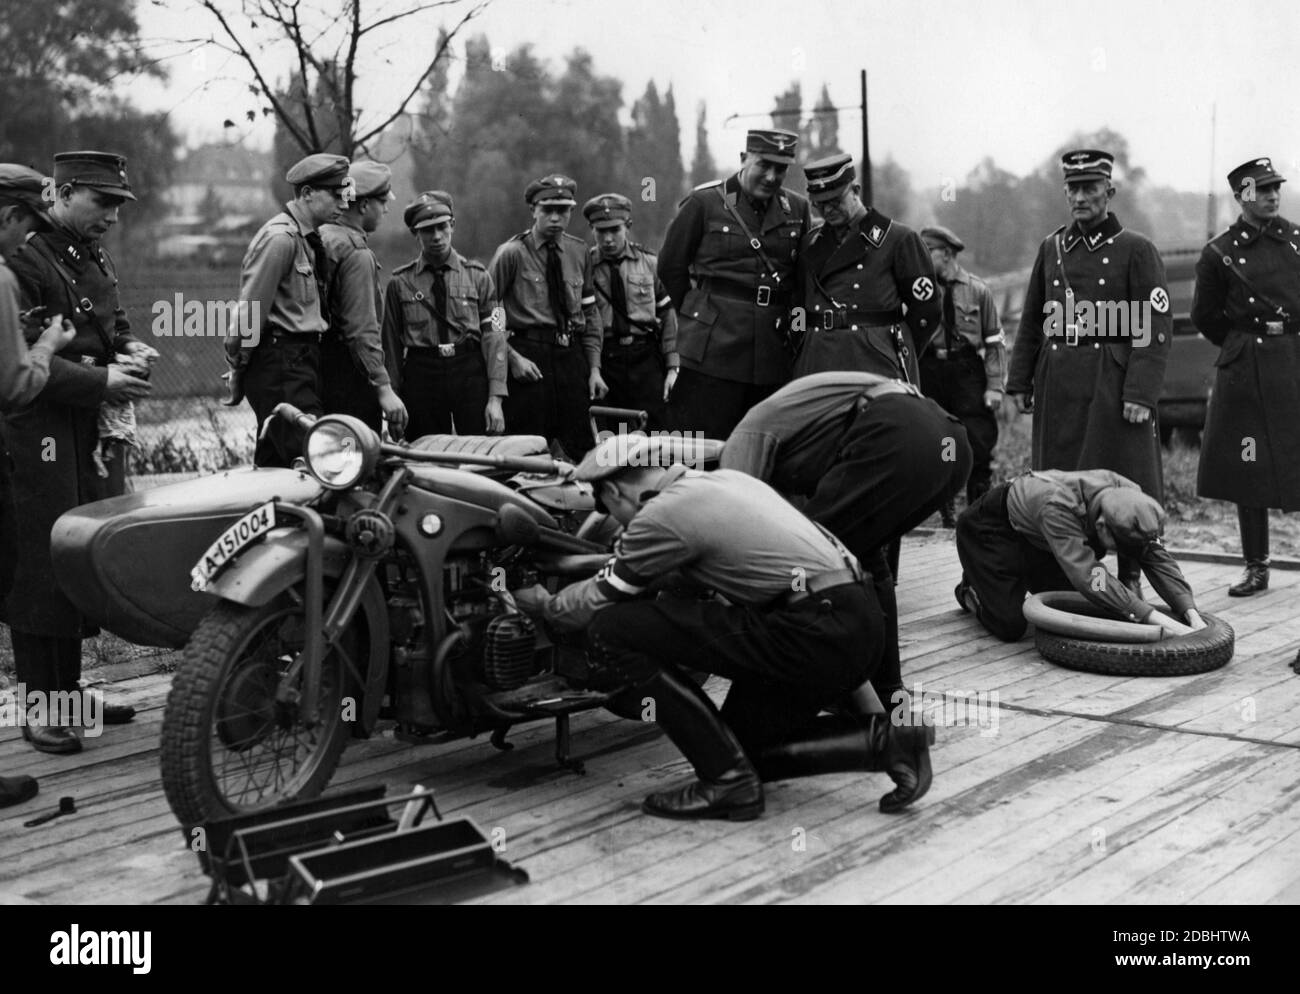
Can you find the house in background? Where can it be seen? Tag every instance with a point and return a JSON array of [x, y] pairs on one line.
[[220, 195]]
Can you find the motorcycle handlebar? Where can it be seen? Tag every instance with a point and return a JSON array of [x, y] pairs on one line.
[[289, 413], [520, 464]]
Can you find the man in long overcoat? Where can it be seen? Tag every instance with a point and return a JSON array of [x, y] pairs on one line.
[[1089, 359], [53, 440], [1248, 303]]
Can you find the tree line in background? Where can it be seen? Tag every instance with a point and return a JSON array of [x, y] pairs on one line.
[[509, 118]]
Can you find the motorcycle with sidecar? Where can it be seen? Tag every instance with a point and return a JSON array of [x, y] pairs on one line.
[[371, 583]]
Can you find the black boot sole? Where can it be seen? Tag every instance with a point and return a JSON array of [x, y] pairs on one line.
[[740, 812]]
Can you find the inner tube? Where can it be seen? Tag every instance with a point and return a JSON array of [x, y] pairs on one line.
[[1068, 613]]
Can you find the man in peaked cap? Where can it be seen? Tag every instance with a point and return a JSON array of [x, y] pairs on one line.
[[639, 358], [65, 270], [963, 361], [865, 283], [1095, 333], [354, 379], [444, 332], [544, 279], [282, 305], [1050, 530], [728, 262], [804, 630], [1247, 302]]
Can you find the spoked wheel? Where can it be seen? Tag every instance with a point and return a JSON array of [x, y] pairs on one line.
[[232, 742]]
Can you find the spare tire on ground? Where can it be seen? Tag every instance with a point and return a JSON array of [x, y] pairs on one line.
[[1066, 611]]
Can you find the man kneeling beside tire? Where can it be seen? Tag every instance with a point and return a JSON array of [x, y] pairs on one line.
[[1049, 530], [800, 629]]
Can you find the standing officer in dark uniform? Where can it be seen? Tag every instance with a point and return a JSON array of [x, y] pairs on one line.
[[281, 287], [639, 359], [353, 378], [1248, 303], [444, 332], [1098, 292], [874, 459], [23, 371], [53, 440], [858, 273], [964, 361], [543, 279], [798, 630], [728, 261]]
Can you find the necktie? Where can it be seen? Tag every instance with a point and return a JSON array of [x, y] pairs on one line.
[[618, 299], [319, 260], [440, 302], [555, 288], [949, 316]]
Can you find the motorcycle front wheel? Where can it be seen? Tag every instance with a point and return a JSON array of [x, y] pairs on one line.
[[228, 745]]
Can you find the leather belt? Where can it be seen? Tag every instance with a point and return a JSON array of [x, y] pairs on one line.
[[1272, 328], [630, 341], [763, 295], [448, 351], [853, 320], [958, 353], [545, 336], [821, 584], [278, 336], [879, 390]]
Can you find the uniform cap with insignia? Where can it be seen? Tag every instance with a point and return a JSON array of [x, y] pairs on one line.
[[321, 171], [1257, 172], [607, 210], [428, 209], [1085, 164], [553, 189], [828, 177], [939, 235], [372, 179], [104, 172], [24, 186], [772, 144]]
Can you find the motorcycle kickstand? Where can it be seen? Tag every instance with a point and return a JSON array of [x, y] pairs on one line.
[[562, 747]]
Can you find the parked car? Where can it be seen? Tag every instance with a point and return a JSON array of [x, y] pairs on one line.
[[1190, 372]]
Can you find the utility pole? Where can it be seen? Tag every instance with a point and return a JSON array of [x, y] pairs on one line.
[[1211, 205]]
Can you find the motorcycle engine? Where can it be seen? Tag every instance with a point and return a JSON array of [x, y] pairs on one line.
[[509, 651]]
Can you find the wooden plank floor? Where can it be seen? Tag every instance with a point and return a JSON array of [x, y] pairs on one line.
[[1074, 789]]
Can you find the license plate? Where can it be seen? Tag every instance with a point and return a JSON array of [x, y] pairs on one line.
[[233, 540]]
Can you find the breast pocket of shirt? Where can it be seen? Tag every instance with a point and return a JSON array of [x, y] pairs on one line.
[[640, 296], [304, 283], [462, 308], [533, 293], [968, 321], [414, 314]]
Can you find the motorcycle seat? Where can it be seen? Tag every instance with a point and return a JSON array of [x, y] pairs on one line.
[[483, 445]]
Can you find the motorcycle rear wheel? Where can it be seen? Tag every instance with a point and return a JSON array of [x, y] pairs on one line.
[[227, 746]]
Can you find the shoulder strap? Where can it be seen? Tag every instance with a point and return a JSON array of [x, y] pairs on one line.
[[44, 251], [652, 329], [1250, 288], [754, 243]]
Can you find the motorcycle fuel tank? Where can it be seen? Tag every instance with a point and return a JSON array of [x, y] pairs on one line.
[[125, 562]]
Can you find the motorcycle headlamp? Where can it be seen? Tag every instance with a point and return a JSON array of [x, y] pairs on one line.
[[341, 451]]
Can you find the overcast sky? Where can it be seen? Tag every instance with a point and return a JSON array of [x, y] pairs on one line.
[[950, 82]]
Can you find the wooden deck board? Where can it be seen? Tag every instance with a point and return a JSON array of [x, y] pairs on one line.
[[1198, 797]]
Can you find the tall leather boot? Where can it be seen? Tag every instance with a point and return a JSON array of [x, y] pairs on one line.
[[948, 513], [1130, 574], [1254, 546], [840, 744], [728, 786]]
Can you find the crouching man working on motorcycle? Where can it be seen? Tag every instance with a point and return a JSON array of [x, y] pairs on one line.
[[1049, 530], [790, 635]]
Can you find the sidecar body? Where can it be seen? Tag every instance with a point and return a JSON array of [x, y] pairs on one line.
[[125, 562]]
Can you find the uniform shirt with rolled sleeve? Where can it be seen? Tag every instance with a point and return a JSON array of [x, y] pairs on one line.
[[472, 301], [278, 274], [23, 370], [355, 304], [647, 297], [792, 438], [1057, 511], [518, 271], [978, 325], [725, 531]]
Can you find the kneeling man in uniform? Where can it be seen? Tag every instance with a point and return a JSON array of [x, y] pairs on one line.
[[798, 630], [1049, 530]]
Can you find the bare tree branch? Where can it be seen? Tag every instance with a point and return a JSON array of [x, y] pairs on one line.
[[401, 107], [406, 13]]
